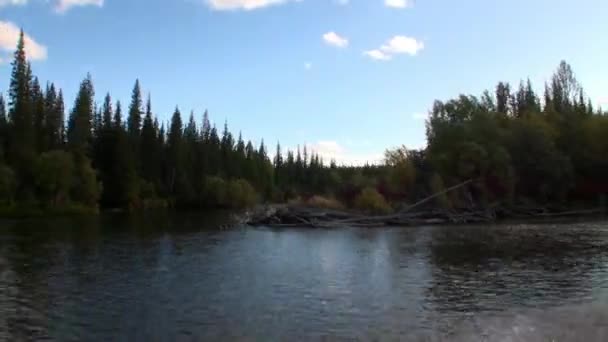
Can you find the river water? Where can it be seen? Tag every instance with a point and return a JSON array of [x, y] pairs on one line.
[[184, 279]]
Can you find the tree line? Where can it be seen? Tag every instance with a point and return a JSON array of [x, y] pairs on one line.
[[105, 156], [519, 147]]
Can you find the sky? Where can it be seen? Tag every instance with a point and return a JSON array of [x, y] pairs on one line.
[[348, 78]]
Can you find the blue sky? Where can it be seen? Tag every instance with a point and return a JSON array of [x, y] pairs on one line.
[[349, 78]]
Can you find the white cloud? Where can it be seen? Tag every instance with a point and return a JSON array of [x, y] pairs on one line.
[[397, 3], [377, 55], [334, 39], [65, 5], [332, 150], [9, 36], [402, 45], [395, 46], [247, 5], [307, 65], [419, 116], [4, 3]]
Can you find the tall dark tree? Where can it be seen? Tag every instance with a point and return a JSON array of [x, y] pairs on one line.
[[175, 151], [3, 129], [21, 141], [503, 97], [135, 111], [118, 116], [148, 151], [107, 112], [81, 117], [38, 113]]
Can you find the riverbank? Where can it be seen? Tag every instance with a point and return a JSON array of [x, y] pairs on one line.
[[285, 215], [32, 211]]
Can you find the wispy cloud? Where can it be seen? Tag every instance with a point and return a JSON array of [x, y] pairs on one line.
[[63, 6], [4, 3], [398, 45], [9, 36], [398, 3], [377, 55], [334, 39], [245, 5]]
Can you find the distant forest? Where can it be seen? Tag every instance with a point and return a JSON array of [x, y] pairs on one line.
[[518, 147]]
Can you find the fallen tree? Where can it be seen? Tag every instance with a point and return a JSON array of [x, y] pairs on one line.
[[279, 216]]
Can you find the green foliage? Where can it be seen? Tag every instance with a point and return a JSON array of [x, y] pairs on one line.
[[241, 194], [371, 201], [401, 171], [8, 184], [54, 175], [215, 192], [85, 188]]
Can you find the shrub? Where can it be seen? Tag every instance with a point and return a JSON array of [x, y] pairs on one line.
[[8, 184], [53, 175], [215, 192], [324, 202], [241, 194], [371, 201]]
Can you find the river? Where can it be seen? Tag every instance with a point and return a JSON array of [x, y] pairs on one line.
[[182, 279]]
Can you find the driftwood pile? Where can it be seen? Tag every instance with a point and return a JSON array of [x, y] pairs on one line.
[[280, 216], [300, 216], [284, 216]]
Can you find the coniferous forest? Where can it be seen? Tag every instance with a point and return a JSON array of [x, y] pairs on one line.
[[519, 147]]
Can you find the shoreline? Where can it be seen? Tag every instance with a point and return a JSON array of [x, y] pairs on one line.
[[286, 216]]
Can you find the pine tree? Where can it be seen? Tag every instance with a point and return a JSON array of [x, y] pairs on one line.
[[148, 152], [106, 112], [3, 129], [118, 116], [174, 146], [80, 122], [60, 117], [134, 119], [21, 139], [503, 97], [53, 118], [38, 110]]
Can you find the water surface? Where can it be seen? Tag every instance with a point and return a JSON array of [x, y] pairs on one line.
[[183, 278]]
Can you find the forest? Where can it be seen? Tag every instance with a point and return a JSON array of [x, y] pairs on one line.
[[518, 147]]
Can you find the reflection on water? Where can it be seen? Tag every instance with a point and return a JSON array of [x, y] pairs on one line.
[[168, 278]]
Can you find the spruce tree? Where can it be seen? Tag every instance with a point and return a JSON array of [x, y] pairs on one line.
[[148, 151], [118, 116], [106, 112], [174, 146], [80, 122], [3, 129], [21, 139], [134, 119], [38, 111]]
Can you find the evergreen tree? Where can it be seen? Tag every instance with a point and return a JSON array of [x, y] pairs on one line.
[[80, 122], [503, 97], [174, 146], [106, 112], [21, 141], [38, 111], [134, 119], [149, 153], [3, 129], [118, 116]]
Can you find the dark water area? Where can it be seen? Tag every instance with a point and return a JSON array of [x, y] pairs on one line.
[[181, 278]]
